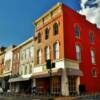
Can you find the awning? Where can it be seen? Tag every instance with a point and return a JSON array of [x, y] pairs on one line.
[[74, 72], [18, 79], [57, 72]]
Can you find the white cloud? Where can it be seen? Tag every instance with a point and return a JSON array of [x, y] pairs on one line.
[[92, 13]]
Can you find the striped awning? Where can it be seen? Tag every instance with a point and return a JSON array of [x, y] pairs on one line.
[[74, 72]]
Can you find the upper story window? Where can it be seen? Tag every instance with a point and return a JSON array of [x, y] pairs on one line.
[[77, 31], [25, 69], [78, 53], [93, 57], [56, 50], [27, 53], [91, 37], [46, 33], [18, 56], [39, 56], [24, 54], [94, 72], [30, 69], [14, 57], [47, 53], [31, 53], [55, 28], [39, 38]]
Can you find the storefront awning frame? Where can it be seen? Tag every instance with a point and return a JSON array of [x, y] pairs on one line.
[[18, 79]]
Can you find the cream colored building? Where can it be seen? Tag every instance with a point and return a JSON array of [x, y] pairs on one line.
[[7, 67], [22, 83]]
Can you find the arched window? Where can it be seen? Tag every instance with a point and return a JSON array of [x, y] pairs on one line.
[[77, 31], [39, 56], [94, 72], [78, 53], [93, 57], [55, 28], [47, 53], [46, 33], [56, 50], [39, 38]]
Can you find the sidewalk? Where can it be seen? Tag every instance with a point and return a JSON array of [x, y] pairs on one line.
[[64, 98]]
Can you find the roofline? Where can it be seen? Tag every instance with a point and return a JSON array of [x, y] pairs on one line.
[[46, 13], [23, 43]]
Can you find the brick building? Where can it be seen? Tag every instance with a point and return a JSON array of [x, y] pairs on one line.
[[2, 54], [22, 64], [16, 61], [2, 51], [49, 44], [72, 43], [8, 57]]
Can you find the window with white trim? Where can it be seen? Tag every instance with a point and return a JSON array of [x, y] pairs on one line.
[[31, 53], [78, 53], [93, 57], [56, 50], [39, 56], [47, 53]]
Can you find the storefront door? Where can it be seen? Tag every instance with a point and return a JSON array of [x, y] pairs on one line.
[[72, 85], [56, 85]]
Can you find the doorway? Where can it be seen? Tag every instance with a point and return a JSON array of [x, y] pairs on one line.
[[72, 85]]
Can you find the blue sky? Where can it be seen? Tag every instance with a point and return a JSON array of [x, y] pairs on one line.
[[16, 17]]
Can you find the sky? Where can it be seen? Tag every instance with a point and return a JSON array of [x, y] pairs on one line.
[[91, 9], [17, 16]]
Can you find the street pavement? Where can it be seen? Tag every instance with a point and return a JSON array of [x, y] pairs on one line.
[[22, 98], [18, 98]]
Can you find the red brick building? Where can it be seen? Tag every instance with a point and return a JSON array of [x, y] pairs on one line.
[[72, 43], [79, 33], [16, 61]]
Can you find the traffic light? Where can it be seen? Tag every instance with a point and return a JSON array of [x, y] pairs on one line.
[[48, 64]]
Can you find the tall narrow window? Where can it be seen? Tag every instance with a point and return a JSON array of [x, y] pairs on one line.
[[39, 38], [77, 31], [31, 53], [56, 50], [46, 33], [30, 69], [39, 56], [91, 37], [78, 53], [94, 72], [55, 28], [25, 69], [47, 53], [93, 57]]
